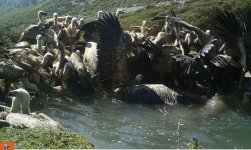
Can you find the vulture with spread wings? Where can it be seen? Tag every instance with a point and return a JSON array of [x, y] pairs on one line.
[[236, 36]]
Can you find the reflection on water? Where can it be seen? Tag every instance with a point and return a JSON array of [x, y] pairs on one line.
[[110, 123]]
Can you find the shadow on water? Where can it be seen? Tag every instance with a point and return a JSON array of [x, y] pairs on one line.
[[111, 123]]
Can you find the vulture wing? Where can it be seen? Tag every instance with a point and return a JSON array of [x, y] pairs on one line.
[[234, 33], [224, 61], [208, 51], [32, 31], [148, 94], [190, 65], [89, 29], [10, 71], [211, 53], [154, 94], [111, 51]]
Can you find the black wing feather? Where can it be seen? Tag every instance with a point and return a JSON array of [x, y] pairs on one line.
[[208, 51], [231, 31], [111, 50], [224, 61], [148, 94], [190, 65], [150, 47]]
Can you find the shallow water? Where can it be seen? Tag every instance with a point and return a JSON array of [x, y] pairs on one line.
[[110, 123]]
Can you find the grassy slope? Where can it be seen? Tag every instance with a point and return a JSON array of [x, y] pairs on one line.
[[44, 139], [197, 12], [200, 13], [22, 17]]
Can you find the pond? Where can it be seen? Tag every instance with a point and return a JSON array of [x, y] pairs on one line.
[[111, 123]]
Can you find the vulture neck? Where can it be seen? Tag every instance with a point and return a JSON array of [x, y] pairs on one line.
[[81, 23], [40, 19], [143, 27], [73, 25], [39, 45], [55, 21], [66, 21]]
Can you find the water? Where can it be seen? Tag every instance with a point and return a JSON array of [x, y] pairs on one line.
[[110, 123]]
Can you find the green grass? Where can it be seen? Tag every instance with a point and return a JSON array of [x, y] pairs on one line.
[[136, 18], [9, 35], [197, 12], [44, 139], [22, 17], [200, 13]]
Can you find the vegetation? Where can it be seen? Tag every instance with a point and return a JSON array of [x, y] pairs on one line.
[[200, 13], [18, 3], [9, 36], [87, 9], [44, 139]]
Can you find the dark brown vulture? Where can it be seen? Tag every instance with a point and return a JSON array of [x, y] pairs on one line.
[[10, 72], [32, 31], [237, 37], [155, 94]]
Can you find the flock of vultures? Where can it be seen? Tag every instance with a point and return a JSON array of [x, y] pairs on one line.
[[175, 64]]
